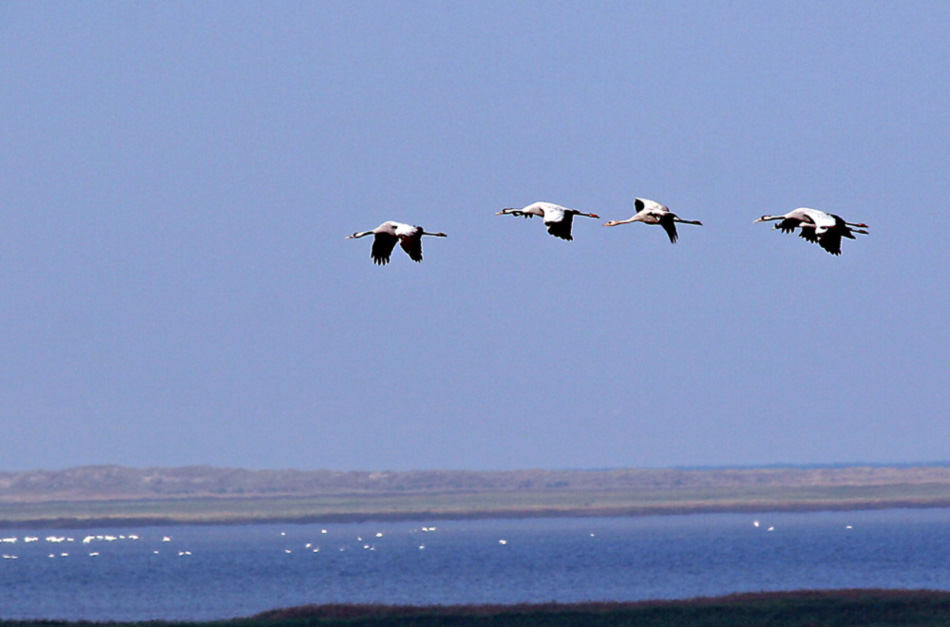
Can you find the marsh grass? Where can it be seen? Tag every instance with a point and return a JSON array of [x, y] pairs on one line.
[[839, 608]]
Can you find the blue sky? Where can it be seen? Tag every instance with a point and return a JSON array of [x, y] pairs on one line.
[[178, 180]]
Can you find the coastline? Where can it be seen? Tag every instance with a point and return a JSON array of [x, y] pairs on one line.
[[108, 496], [758, 507]]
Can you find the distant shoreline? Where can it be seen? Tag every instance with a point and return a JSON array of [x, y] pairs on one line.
[[344, 518], [108, 496]]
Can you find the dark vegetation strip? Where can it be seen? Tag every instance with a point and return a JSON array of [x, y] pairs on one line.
[[778, 609]]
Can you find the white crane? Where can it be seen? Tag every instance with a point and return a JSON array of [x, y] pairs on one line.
[[388, 233], [652, 212], [817, 227], [558, 219]]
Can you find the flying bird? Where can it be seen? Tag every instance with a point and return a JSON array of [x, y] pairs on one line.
[[829, 229], [817, 227], [558, 219], [388, 233], [652, 212]]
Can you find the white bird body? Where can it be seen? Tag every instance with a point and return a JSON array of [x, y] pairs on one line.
[[387, 234], [792, 220], [652, 212], [557, 219], [817, 226], [823, 221]]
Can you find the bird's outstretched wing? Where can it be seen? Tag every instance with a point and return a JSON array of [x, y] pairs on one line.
[[383, 245], [562, 227], [666, 221], [830, 240], [809, 234], [788, 225], [412, 244]]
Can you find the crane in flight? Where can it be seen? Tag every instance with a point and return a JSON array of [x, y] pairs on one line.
[[558, 219], [817, 227], [387, 234], [652, 212]]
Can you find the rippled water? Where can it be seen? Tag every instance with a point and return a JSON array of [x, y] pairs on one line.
[[224, 571]]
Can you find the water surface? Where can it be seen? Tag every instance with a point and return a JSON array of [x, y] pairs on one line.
[[210, 572]]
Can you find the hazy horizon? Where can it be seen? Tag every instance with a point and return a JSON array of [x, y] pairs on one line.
[[772, 466]]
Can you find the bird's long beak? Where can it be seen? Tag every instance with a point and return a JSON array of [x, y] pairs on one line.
[[758, 220], [500, 213], [350, 236], [594, 215]]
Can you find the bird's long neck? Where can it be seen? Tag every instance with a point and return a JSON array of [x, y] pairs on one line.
[[635, 218], [688, 221], [435, 234]]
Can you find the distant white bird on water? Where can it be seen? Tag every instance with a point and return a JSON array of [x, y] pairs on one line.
[[817, 227], [652, 212], [558, 219], [387, 234]]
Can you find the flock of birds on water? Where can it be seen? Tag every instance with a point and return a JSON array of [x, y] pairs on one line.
[[815, 226], [338, 543]]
